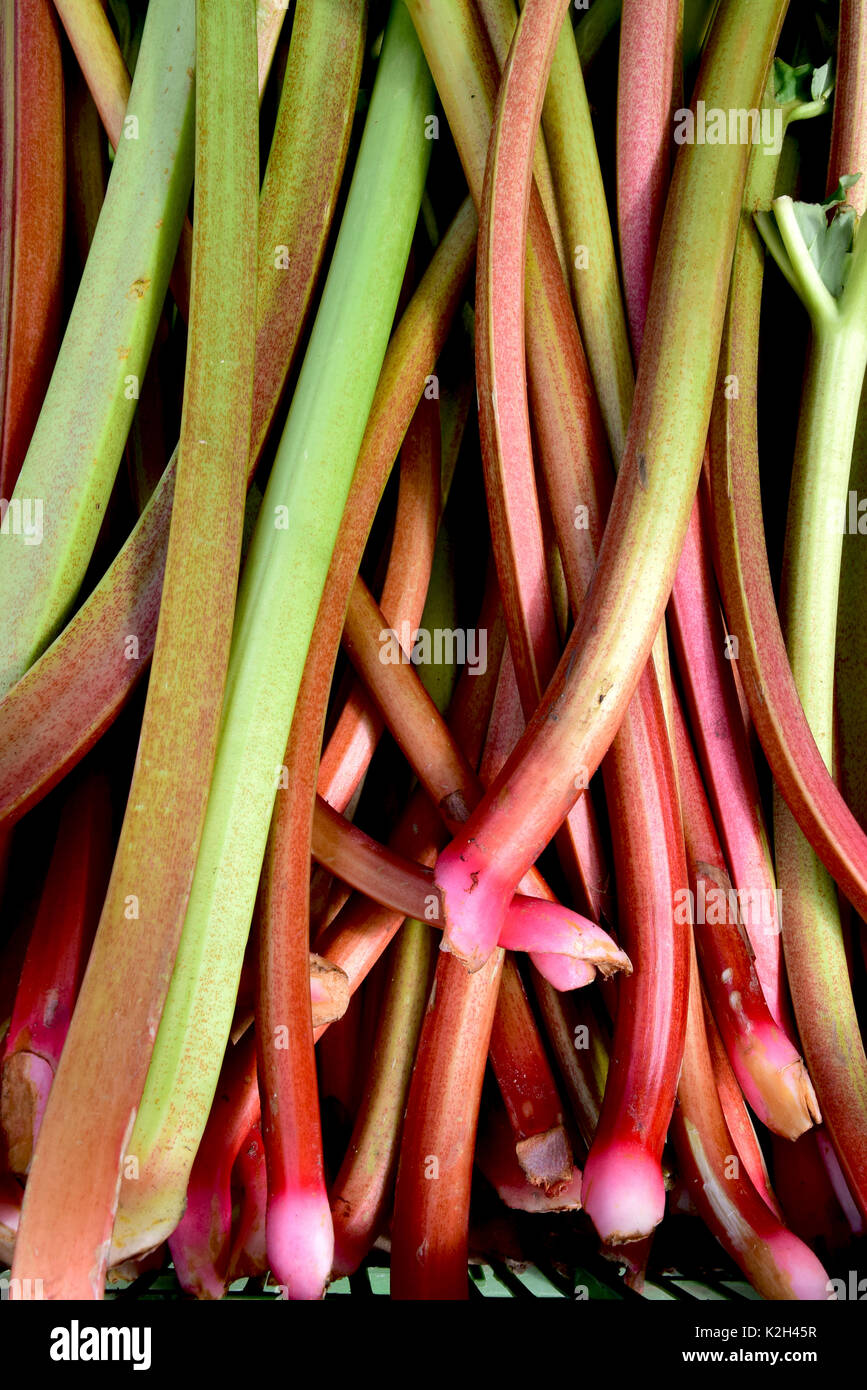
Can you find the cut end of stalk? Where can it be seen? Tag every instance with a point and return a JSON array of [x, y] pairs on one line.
[[797, 1273], [775, 1080], [329, 991], [786, 1102], [300, 1243], [546, 1159], [623, 1192], [521, 1196], [27, 1079]]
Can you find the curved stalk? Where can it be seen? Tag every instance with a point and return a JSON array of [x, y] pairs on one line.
[[281, 586], [297, 1202], [777, 1264], [77, 444], [501, 18], [812, 936], [565, 413], [617, 625], [132, 959], [812, 932]]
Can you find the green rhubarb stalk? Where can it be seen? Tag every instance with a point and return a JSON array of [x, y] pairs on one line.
[[832, 283], [319, 92], [851, 654], [69, 1205], [70, 467], [593, 28], [86, 675], [279, 596]]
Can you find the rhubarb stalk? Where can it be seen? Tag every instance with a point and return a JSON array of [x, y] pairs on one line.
[[104, 353], [616, 628], [278, 599], [37, 227], [131, 962]]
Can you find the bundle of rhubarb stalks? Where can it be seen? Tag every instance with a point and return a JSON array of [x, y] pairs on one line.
[[433, 654]]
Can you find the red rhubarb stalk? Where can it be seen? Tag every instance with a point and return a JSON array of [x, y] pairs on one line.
[[500, 19], [497, 1160], [849, 129], [542, 927], [528, 1088], [504, 421], [362, 930], [36, 215], [465, 69], [808, 1197], [249, 1258], [707, 676], [640, 1094], [617, 625], [429, 1245], [54, 965], [301, 1245], [736, 1115], [813, 944], [449, 780]]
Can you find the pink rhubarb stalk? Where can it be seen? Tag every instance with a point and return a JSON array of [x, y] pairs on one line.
[[201, 1245], [768, 1066], [777, 1263]]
